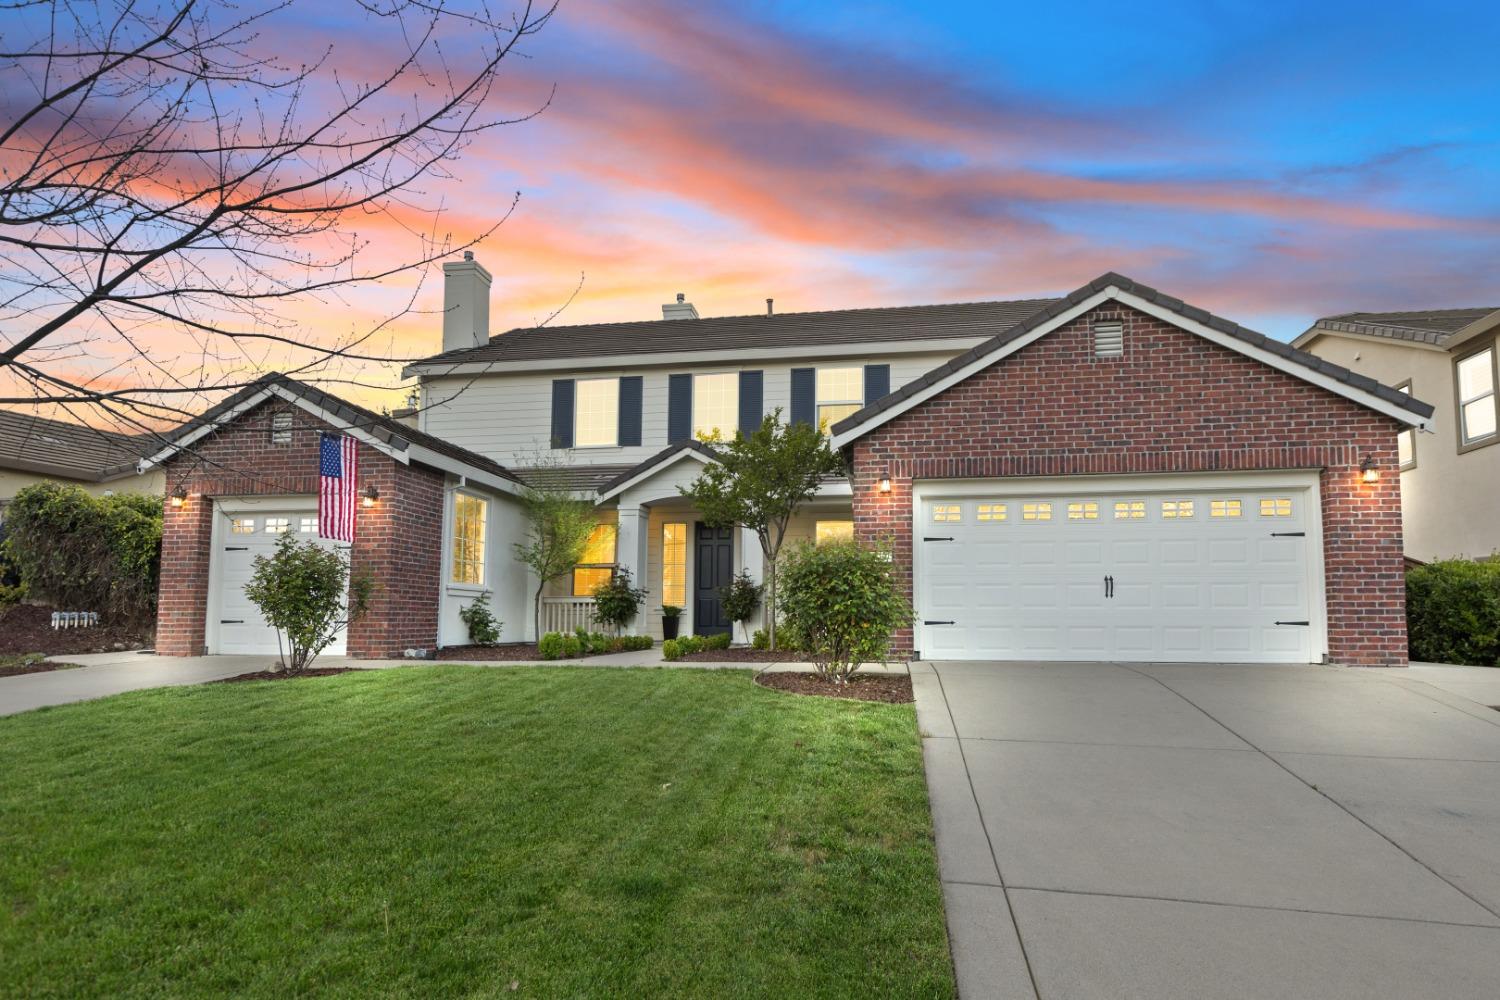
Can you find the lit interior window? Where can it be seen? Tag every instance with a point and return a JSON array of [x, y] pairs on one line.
[[1038, 511], [943, 513], [596, 409], [1083, 510], [468, 539], [1223, 508], [1275, 507], [277, 525], [242, 526], [833, 531], [716, 401], [597, 564], [991, 512], [841, 391], [1173, 509], [1130, 510], [674, 565]]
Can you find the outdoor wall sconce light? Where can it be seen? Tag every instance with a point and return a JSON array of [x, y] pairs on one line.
[[884, 483], [1367, 470], [179, 496], [370, 494]]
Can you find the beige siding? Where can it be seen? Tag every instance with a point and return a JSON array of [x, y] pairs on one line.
[[12, 482]]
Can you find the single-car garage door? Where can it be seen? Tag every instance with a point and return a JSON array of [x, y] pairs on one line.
[[1132, 572], [235, 624]]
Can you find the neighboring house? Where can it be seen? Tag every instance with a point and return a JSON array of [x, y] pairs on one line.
[[1450, 478], [34, 449], [1113, 475]]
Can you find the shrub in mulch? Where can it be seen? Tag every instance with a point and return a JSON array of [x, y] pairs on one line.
[[30, 663], [893, 689], [27, 628], [282, 675]]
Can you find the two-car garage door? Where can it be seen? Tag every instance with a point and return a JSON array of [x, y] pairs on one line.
[[241, 533], [1132, 571]]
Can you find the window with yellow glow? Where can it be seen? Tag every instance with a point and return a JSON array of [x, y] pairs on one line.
[[834, 531], [468, 539], [1275, 507], [1040, 511], [716, 404], [1173, 509], [990, 512], [674, 565], [1130, 510], [1083, 510], [596, 409], [841, 391], [1223, 508], [946, 513], [597, 564]]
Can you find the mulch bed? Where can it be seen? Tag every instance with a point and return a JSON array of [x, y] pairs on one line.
[[282, 675], [509, 652], [16, 670], [743, 654], [27, 628], [894, 689]]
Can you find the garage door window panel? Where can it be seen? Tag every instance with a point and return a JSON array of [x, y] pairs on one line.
[[1037, 511], [990, 513], [277, 525], [947, 513], [1176, 510], [1276, 507], [1224, 508], [242, 525], [1130, 510], [1083, 510]]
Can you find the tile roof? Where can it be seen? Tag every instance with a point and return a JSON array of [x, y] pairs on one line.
[[392, 432], [582, 478], [781, 330], [629, 473], [1283, 350], [29, 443], [1428, 326]]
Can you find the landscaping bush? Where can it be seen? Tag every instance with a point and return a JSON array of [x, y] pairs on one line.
[[617, 600], [741, 599], [842, 602], [674, 649], [572, 649], [307, 594], [1453, 612], [483, 626], [551, 646], [760, 640], [87, 553]]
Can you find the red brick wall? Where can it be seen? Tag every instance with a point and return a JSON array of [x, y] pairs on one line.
[[1174, 403], [398, 541]]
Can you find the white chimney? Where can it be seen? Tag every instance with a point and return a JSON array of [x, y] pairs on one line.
[[466, 304], [679, 309]]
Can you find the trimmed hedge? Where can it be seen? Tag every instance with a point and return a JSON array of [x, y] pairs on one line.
[[570, 646], [87, 553], [1453, 612], [676, 649]]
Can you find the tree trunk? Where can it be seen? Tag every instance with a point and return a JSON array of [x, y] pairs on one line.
[[771, 606], [536, 611]]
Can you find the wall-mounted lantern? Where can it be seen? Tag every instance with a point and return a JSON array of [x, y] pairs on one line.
[[1367, 470], [883, 484], [179, 497], [370, 494]]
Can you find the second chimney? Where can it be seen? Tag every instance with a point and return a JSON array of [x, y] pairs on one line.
[[466, 304], [681, 309]]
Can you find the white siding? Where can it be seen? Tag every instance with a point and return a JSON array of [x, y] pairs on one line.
[[509, 417]]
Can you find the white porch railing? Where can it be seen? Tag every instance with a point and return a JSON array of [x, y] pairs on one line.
[[564, 614]]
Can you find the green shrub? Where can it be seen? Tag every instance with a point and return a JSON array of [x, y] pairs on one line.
[[842, 602], [760, 640], [572, 649], [308, 595], [483, 626], [720, 641], [1453, 612], [551, 646], [11, 595], [87, 553], [671, 649], [617, 600], [741, 598]]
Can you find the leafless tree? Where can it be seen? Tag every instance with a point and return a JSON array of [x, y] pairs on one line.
[[178, 171]]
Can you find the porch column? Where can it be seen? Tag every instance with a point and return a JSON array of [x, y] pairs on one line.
[[630, 552], [754, 562]]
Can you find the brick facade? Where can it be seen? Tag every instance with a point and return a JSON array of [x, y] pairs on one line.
[[1173, 403], [398, 541]]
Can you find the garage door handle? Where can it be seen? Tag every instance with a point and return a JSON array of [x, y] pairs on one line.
[[937, 538], [231, 621], [1288, 534], [236, 548], [1294, 623], [927, 621]]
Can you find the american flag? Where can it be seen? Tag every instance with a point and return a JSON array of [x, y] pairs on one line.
[[337, 470]]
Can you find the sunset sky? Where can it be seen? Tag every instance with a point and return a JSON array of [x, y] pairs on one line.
[[1271, 162]]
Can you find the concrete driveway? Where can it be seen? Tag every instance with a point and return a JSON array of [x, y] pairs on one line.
[[1216, 831]]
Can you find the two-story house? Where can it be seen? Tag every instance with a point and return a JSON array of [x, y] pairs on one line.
[[1450, 474], [1111, 475]]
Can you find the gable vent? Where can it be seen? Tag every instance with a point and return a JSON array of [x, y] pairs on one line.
[[1109, 339]]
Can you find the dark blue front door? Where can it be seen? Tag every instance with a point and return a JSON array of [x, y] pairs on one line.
[[713, 567]]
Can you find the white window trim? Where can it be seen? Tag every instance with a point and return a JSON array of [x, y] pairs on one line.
[[734, 421], [451, 538], [1466, 442]]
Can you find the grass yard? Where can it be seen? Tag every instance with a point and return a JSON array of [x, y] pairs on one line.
[[469, 832]]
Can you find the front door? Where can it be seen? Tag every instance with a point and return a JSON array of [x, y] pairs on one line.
[[713, 567]]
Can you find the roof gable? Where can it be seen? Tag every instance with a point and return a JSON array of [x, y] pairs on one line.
[[1440, 328], [1115, 287]]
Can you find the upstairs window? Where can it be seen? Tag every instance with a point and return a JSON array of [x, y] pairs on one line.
[[1476, 396], [598, 562], [596, 413], [716, 404], [468, 539], [841, 391]]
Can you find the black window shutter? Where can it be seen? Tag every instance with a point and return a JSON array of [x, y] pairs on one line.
[[805, 396], [679, 408], [752, 400], [877, 382], [630, 411], [562, 413]]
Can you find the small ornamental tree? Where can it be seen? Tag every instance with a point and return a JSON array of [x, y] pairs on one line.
[[741, 599], [308, 595], [617, 600], [479, 618], [558, 523], [842, 601], [760, 480]]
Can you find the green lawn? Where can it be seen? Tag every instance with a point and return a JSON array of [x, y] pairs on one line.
[[447, 831]]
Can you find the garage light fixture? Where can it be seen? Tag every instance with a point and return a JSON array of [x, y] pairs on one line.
[[1367, 470], [884, 483], [179, 496], [369, 495]]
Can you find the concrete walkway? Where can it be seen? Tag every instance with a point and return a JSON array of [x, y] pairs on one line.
[[1213, 831], [105, 674]]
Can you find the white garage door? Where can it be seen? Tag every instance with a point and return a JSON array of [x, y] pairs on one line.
[[1143, 574], [235, 624]]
